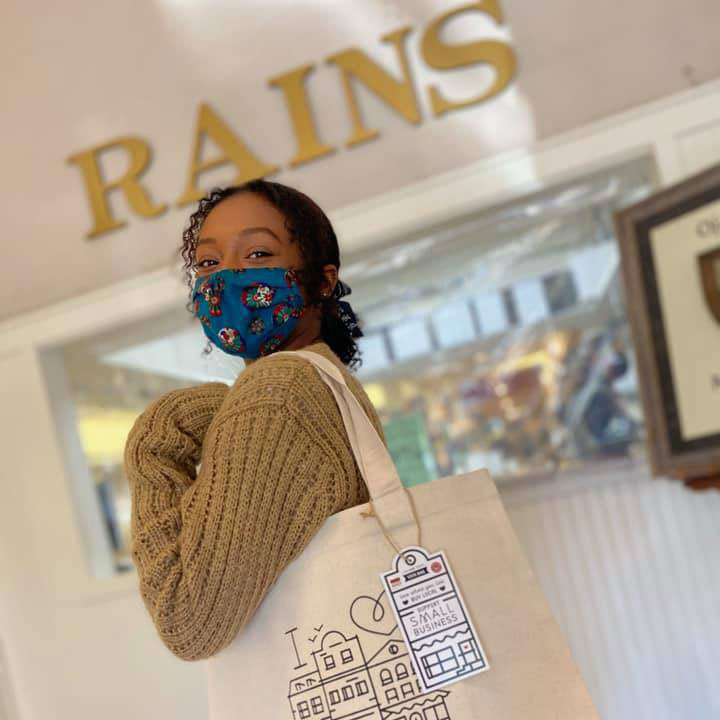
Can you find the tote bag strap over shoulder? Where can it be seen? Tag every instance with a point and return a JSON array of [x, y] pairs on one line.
[[391, 503]]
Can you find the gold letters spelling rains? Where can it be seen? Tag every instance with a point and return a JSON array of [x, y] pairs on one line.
[[353, 64]]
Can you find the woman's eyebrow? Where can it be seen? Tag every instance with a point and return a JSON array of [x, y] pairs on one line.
[[242, 233]]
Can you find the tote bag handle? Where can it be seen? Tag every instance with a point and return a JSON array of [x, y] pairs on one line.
[[390, 503]]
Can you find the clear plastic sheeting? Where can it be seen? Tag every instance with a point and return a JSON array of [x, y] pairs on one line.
[[498, 340], [504, 336]]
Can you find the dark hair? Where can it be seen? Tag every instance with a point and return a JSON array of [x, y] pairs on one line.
[[308, 225]]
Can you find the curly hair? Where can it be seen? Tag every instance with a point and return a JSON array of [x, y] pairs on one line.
[[307, 225]]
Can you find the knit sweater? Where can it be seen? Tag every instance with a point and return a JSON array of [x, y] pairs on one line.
[[274, 464]]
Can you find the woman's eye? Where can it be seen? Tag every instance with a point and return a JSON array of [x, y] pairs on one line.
[[254, 255], [200, 264]]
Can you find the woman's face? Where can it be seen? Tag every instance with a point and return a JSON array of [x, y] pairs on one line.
[[246, 231]]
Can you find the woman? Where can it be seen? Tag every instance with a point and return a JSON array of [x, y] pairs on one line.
[[274, 459]]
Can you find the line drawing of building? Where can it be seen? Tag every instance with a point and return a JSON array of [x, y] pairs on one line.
[[345, 685]]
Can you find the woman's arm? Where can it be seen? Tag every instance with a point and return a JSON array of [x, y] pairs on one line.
[[209, 547]]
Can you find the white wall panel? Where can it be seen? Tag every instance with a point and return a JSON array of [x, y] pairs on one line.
[[699, 147], [631, 569]]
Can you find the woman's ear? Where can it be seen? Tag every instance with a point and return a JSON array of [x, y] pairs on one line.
[[331, 278]]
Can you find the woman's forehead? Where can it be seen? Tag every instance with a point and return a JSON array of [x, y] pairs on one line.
[[241, 211]]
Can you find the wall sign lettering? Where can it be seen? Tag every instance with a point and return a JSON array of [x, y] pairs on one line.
[[394, 87]]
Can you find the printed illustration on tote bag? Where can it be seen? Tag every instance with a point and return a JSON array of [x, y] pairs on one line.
[[367, 674]]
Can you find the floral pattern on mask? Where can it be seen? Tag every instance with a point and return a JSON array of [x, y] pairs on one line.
[[231, 339], [249, 312], [267, 347], [281, 314], [212, 292], [257, 326]]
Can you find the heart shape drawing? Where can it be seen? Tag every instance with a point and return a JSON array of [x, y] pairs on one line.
[[371, 615]]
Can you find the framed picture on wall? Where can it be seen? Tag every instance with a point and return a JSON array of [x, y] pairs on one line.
[[670, 248]]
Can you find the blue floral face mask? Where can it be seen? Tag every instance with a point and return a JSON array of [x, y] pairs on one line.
[[248, 312]]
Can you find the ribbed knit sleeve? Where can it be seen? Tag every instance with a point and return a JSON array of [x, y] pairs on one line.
[[274, 464]]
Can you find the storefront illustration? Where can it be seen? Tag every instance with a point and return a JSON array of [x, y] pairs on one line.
[[433, 619], [344, 684]]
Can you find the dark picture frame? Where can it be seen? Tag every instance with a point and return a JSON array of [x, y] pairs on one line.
[[670, 452]]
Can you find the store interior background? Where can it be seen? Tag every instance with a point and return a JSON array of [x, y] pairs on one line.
[[481, 251]]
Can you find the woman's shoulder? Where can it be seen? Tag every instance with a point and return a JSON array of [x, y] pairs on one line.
[[284, 367], [279, 368], [356, 387], [291, 381], [275, 379], [281, 376]]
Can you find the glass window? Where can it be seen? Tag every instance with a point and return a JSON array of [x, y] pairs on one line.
[[454, 324], [346, 656], [347, 692], [509, 343], [391, 695], [361, 687], [303, 709], [410, 338], [329, 662], [491, 313], [375, 353], [498, 339], [530, 302], [334, 697]]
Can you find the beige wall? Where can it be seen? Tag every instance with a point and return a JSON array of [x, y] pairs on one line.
[[82, 73], [582, 60]]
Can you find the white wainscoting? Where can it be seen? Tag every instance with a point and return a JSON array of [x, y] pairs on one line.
[[631, 569]]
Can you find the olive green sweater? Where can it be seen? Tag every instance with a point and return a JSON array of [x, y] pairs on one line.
[[274, 464]]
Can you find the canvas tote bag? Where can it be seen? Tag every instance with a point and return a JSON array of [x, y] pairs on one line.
[[325, 642]]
